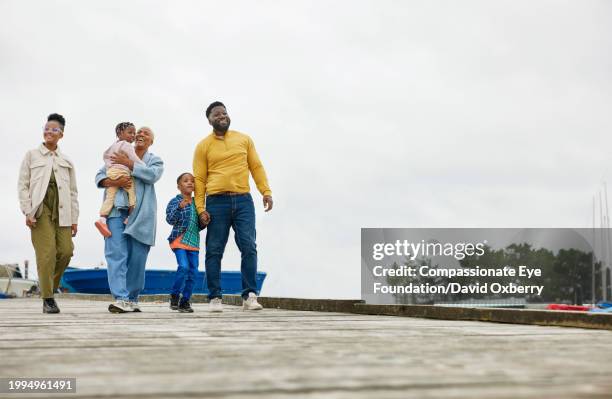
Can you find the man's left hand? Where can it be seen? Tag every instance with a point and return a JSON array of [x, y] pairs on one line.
[[121, 157], [74, 230], [267, 202]]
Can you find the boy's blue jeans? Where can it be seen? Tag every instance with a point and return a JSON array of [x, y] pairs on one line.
[[237, 212], [186, 272]]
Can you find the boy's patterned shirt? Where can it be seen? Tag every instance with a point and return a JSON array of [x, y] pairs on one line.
[[184, 222], [192, 234]]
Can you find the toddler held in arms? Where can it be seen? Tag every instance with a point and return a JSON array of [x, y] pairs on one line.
[[126, 133]]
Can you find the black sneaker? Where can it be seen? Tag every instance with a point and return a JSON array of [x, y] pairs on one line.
[[185, 307], [174, 302], [49, 306]]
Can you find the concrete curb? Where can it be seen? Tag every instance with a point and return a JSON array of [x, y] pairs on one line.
[[315, 305], [512, 316]]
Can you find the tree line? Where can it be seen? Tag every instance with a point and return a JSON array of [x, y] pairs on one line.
[[566, 276]]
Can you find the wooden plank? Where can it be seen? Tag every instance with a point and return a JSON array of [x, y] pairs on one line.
[[280, 353], [497, 315]]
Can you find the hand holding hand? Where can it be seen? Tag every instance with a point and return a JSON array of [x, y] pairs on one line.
[[204, 218]]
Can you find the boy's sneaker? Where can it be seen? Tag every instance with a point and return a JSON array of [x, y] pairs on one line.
[[120, 306], [134, 307], [49, 306], [103, 228], [174, 302], [185, 307], [216, 305], [251, 303]]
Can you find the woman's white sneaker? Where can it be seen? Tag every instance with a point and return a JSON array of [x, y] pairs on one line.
[[251, 303], [215, 305], [120, 306]]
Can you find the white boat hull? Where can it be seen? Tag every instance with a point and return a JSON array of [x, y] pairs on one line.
[[16, 286]]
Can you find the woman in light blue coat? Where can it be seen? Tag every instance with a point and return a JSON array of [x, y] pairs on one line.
[[126, 250]]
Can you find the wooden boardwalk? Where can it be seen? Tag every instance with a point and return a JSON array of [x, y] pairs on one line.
[[279, 353]]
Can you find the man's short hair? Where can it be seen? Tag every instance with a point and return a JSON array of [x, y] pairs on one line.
[[213, 105]]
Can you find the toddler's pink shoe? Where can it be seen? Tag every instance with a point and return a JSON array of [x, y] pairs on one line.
[[103, 229]]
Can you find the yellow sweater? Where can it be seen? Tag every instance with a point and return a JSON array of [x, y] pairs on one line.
[[223, 164]]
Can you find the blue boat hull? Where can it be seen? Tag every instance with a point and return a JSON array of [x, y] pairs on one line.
[[95, 281]]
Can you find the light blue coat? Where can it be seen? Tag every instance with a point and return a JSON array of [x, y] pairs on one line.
[[142, 223]]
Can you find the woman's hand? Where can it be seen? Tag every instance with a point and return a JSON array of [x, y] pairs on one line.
[[30, 221], [121, 157], [123, 182], [74, 230]]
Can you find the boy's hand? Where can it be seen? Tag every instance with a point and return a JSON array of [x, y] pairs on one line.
[[184, 203]]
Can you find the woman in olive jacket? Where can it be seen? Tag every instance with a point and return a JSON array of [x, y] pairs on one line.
[[48, 199]]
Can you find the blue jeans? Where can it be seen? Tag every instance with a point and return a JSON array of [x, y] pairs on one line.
[[186, 272], [237, 212], [126, 259]]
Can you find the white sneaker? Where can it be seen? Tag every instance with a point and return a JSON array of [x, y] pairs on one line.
[[134, 307], [251, 303], [120, 306], [215, 305]]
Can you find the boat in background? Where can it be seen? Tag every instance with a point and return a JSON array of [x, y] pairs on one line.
[[95, 281], [12, 283]]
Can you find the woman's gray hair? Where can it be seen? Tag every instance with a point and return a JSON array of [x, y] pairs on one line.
[[149, 130]]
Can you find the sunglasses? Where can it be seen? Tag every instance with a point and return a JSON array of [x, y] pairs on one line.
[[52, 129]]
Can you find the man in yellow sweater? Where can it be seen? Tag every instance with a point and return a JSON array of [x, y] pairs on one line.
[[221, 166]]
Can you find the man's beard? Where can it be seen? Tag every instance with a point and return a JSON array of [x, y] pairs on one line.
[[220, 128]]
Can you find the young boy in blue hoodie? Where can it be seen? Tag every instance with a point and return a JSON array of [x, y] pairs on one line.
[[184, 242]]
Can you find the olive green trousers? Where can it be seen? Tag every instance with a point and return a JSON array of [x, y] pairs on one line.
[[53, 246]]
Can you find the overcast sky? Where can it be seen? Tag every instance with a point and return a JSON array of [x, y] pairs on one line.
[[364, 113]]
